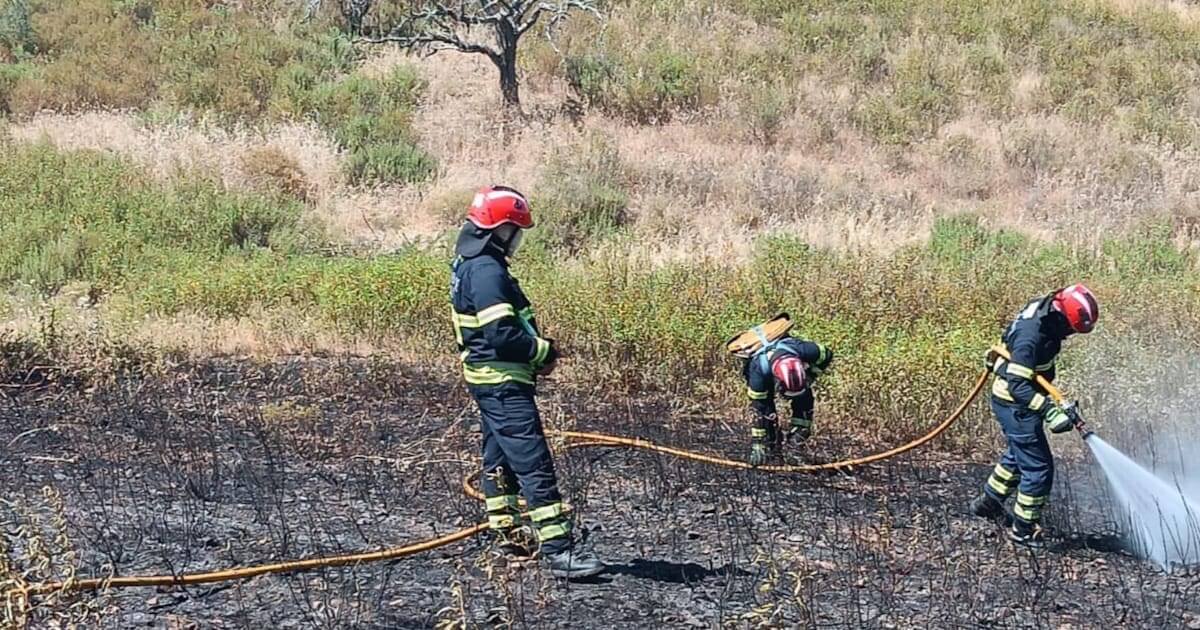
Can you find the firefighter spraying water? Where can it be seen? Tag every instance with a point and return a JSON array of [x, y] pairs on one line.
[[1161, 519], [1024, 367]]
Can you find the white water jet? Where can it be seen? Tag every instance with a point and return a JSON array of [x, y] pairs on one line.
[[1163, 520]]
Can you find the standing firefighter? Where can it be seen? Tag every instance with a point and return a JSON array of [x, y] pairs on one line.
[[777, 362], [503, 354], [1033, 340]]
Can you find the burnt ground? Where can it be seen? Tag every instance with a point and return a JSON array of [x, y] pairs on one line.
[[208, 466]]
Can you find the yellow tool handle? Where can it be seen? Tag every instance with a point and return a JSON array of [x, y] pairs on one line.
[[1053, 391]]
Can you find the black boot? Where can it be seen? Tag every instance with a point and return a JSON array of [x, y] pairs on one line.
[[573, 562], [984, 506], [1027, 534], [799, 430]]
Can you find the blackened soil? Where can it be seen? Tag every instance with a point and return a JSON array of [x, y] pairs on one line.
[[225, 464]]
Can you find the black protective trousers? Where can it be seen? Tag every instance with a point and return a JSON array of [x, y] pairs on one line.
[[516, 456]]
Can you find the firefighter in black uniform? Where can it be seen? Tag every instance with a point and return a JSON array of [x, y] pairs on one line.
[[1027, 467], [794, 364], [503, 353]]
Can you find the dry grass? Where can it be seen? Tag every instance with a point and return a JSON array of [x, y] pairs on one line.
[[709, 182]]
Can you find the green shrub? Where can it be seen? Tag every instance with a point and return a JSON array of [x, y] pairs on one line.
[[10, 76], [372, 120], [84, 216], [230, 62], [767, 108], [920, 98], [580, 198], [100, 53], [590, 76], [392, 162], [17, 38], [645, 86], [912, 324]]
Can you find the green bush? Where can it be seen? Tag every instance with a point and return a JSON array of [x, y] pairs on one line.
[[590, 76], [644, 86], [396, 162], [581, 196], [10, 76], [84, 216], [911, 324], [767, 108], [920, 97], [180, 53], [372, 120], [17, 38]]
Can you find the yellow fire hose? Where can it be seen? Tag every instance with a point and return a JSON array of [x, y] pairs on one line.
[[1055, 394], [575, 439]]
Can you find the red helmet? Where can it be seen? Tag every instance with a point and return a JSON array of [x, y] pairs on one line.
[[496, 205], [791, 374], [1079, 306]]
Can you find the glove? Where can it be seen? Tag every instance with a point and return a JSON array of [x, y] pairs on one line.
[[551, 358], [758, 453], [989, 359], [1058, 420]]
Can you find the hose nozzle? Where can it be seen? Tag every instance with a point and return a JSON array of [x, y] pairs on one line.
[[1072, 410]]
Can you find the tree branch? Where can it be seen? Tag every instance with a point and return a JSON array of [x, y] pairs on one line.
[[431, 40], [530, 22]]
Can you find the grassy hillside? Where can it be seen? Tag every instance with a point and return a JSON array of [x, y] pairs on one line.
[[909, 327], [901, 176]]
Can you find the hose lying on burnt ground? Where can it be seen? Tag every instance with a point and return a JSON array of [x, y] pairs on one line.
[[575, 439]]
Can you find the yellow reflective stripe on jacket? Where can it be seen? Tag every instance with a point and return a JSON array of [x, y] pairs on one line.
[[486, 316], [1020, 371], [1037, 402], [457, 328], [824, 354], [754, 395], [1046, 367], [497, 372]]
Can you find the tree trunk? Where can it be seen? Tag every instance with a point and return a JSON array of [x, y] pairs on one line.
[[506, 62], [509, 86]]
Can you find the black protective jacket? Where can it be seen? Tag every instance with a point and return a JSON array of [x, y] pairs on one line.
[[494, 324], [1034, 340]]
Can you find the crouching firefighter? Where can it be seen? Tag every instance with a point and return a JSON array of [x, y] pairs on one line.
[[789, 366], [503, 354], [1024, 409]]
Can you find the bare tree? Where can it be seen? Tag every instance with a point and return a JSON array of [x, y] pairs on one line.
[[486, 27]]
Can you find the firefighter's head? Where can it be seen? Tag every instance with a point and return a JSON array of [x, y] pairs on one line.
[[1078, 306], [503, 213], [791, 374]]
